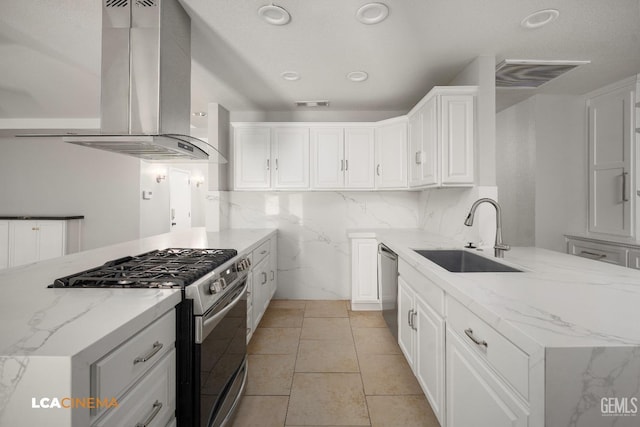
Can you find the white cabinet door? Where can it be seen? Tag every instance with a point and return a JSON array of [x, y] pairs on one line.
[[4, 244], [359, 150], [610, 187], [290, 157], [327, 154], [415, 148], [23, 242], [406, 334], [364, 273], [429, 356], [273, 266], [391, 156], [457, 136], [475, 396], [429, 173], [252, 163], [51, 239], [260, 284]]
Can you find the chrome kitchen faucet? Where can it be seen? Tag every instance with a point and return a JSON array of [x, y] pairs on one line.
[[499, 247]]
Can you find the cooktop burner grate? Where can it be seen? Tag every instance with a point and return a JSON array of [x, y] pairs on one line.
[[168, 268]]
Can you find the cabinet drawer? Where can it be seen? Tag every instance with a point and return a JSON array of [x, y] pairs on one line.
[[151, 402], [260, 252], [500, 353], [597, 251], [114, 373], [429, 291]]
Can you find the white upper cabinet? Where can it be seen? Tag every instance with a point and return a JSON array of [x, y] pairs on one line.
[[327, 154], [611, 126], [457, 136], [391, 155], [441, 138], [290, 157], [359, 150], [252, 157]]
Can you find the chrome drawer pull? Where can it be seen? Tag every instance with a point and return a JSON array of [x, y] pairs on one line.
[[264, 278], [157, 346], [157, 406], [469, 333], [409, 317], [413, 320], [263, 252], [593, 254]]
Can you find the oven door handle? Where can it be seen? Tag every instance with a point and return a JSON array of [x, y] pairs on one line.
[[208, 324]]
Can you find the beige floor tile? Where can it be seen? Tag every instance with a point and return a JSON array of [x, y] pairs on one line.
[[288, 303], [375, 341], [405, 411], [274, 341], [261, 411], [326, 356], [366, 319], [385, 374], [270, 374], [327, 399], [336, 328], [282, 318], [336, 308]]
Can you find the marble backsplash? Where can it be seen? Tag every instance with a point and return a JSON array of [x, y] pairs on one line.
[[314, 254]]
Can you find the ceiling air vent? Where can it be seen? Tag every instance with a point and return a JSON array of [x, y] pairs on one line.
[[117, 3], [146, 3], [312, 103], [531, 73]]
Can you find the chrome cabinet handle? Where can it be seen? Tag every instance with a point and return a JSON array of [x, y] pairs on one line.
[[624, 187], [263, 252], [378, 170], [157, 406], [264, 278], [597, 256], [341, 165], [346, 165], [409, 318], [157, 346], [413, 320], [268, 164], [469, 333], [418, 157], [276, 164], [273, 274]]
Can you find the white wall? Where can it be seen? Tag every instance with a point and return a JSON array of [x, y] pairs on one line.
[[542, 170], [49, 177]]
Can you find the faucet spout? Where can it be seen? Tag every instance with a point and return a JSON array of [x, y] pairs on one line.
[[499, 247]]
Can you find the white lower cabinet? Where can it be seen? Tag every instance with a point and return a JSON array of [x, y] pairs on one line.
[[421, 338], [364, 274], [31, 241], [263, 282], [475, 395]]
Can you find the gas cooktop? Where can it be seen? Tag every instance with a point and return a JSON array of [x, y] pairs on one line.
[[167, 268]]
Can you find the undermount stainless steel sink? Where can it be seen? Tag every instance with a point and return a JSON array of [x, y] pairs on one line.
[[458, 261]]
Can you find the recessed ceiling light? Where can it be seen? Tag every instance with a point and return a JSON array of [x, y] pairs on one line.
[[312, 103], [274, 15], [357, 76], [291, 76], [372, 13], [539, 18]]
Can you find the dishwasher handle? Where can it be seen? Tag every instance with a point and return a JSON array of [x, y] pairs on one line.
[[383, 250]]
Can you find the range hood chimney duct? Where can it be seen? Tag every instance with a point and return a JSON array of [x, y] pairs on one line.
[[146, 83]]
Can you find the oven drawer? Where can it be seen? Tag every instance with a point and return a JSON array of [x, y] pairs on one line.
[[261, 252], [114, 373], [151, 402]]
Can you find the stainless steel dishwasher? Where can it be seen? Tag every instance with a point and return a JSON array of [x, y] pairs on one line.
[[388, 285]]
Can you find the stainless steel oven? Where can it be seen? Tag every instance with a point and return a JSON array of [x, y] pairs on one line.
[[220, 357]]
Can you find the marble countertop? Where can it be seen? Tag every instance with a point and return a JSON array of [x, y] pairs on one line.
[[558, 300], [37, 321]]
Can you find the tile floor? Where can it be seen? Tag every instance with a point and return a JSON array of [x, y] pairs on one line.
[[316, 363]]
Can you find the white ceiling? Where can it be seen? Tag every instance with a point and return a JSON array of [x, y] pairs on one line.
[[50, 51]]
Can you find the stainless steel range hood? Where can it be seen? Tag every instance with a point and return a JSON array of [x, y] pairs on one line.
[[146, 84]]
